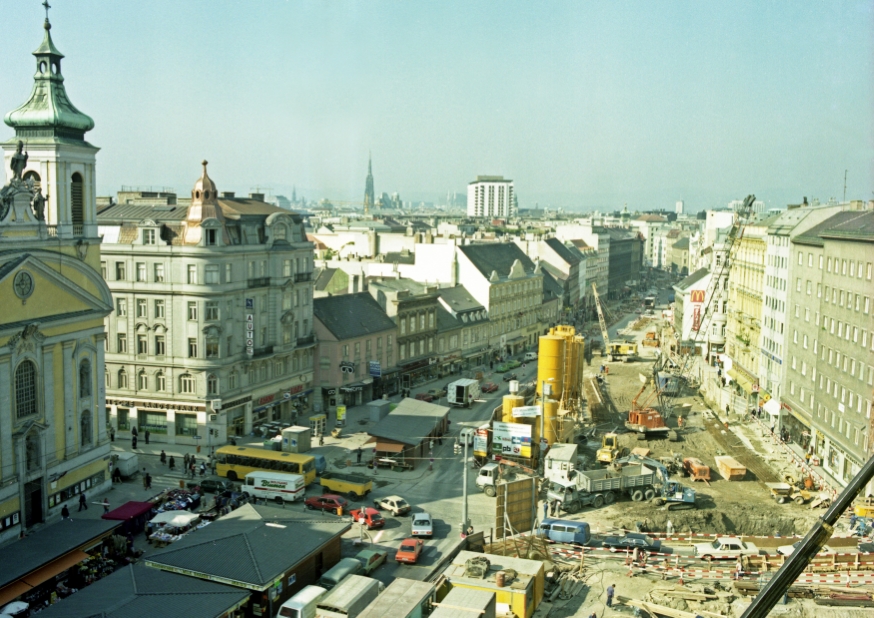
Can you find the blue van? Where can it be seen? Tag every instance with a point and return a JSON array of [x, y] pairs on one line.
[[565, 531]]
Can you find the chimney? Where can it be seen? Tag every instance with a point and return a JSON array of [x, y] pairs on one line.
[[258, 197], [228, 195]]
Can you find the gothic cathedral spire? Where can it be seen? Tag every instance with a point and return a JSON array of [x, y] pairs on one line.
[[369, 200]]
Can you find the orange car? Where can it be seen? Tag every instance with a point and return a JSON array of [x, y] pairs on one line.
[[409, 551]]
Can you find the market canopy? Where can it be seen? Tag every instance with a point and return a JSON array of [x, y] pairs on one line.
[[178, 519], [128, 510], [772, 407]]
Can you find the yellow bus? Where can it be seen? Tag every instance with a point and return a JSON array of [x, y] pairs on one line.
[[235, 462]]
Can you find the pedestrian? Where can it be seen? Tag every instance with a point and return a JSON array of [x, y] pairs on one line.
[[558, 507], [133, 431], [727, 409], [65, 513], [116, 475], [105, 504], [611, 590], [202, 468], [163, 457], [680, 422], [172, 462], [358, 453], [669, 528], [148, 481], [112, 434], [82, 503], [147, 434], [186, 461], [145, 474], [133, 442]]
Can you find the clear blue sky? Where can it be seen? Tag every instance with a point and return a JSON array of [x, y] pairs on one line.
[[583, 104]]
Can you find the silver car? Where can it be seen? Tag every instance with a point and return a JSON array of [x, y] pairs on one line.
[[422, 525]]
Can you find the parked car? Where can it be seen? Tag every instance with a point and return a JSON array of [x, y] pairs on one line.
[[724, 548], [370, 559], [409, 551], [632, 540], [422, 525], [513, 364], [437, 393], [425, 397], [372, 518], [395, 504], [509, 376], [488, 387], [502, 368], [326, 502], [214, 486], [788, 550]]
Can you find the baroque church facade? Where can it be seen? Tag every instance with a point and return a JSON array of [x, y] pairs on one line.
[[54, 443]]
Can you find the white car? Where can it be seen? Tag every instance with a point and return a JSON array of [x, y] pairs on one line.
[[422, 525], [724, 548], [788, 550]]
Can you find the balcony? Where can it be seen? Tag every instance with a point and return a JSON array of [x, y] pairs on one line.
[[306, 341], [263, 351], [259, 282], [299, 277]]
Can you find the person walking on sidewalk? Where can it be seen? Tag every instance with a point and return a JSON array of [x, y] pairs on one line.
[[545, 509], [83, 504], [105, 505], [185, 461], [65, 513], [163, 457], [358, 453], [148, 481], [112, 434], [133, 442], [147, 434], [172, 463], [145, 485]]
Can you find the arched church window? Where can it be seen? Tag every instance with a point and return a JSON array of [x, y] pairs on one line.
[[25, 389], [85, 428], [77, 204], [85, 378]]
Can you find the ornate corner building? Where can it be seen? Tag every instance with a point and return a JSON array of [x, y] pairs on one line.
[[53, 300]]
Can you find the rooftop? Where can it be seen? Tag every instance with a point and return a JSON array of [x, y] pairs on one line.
[[692, 279], [498, 257], [563, 252], [349, 316], [249, 547], [137, 591], [409, 422], [682, 244], [458, 300], [850, 225]]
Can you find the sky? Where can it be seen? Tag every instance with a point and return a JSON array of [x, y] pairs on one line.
[[585, 105]]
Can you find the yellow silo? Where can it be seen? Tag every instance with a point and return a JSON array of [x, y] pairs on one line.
[[511, 401], [550, 363], [550, 420]]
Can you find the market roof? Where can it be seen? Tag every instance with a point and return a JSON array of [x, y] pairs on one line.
[[137, 591], [563, 252], [128, 510], [248, 548], [498, 257], [348, 316], [410, 421], [35, 550], [692, 279]]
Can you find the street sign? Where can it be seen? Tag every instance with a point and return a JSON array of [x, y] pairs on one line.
[[375, 369], [250, 303]]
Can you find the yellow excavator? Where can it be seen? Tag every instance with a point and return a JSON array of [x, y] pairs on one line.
[[610, 449]]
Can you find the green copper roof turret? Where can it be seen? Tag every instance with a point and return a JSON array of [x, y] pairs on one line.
[[48, 113]]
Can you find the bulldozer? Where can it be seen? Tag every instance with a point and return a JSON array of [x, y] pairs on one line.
[[610, 449]]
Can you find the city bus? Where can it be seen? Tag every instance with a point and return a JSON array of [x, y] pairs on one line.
[[235, 462]]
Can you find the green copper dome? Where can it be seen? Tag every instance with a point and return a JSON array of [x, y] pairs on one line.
[[48, 112]]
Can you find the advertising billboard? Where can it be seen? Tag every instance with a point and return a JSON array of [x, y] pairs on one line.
[[513, 439]]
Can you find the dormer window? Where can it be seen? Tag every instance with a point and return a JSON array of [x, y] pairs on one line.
[[149, 237], [211, 237]]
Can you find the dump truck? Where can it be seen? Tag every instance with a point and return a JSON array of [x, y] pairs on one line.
[[463, 393], [350, 485], [493, 473], [600, 487]]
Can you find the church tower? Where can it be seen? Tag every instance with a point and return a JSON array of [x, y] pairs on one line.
[[56, 157], [369, 199], [54, 440]]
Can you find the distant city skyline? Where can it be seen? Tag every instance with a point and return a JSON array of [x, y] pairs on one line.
[[585, 106]]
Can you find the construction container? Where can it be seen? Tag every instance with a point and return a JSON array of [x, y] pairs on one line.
[[696, 469], [730, 469]]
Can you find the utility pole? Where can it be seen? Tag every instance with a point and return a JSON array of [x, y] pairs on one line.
[[465, 521], [845, 185]]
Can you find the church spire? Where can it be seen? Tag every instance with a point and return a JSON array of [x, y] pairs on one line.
[[48, 113], [369, 199]]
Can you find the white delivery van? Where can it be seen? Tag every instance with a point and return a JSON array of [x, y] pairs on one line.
[[529, 356], [276, 486], [463, 393], [303, 604]]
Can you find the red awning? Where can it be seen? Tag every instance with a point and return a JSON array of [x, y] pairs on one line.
[[128, 510]]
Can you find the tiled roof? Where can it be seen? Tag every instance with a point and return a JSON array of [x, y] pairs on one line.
[[563, 252], [498, 257], [846, 225], [349, 316], [245, 549], [137, 591]]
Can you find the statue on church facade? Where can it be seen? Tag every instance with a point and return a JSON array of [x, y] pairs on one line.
[[18, 161]]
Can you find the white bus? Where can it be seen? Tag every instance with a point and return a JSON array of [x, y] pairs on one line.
[[276, 486]]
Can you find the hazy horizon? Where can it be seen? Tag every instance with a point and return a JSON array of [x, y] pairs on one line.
[[585, 105]]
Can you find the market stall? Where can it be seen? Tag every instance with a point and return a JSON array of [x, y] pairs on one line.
[[171, 526], [133, 514], [178, 500]]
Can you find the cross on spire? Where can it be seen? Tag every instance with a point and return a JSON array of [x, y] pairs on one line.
[[47, 7]]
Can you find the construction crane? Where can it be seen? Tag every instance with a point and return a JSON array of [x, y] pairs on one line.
[[622, 350], [646, 421]]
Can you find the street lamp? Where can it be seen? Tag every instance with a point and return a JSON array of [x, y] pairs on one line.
[[545, 391], [466, 435]]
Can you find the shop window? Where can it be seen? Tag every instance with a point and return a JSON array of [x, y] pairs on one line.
[[123, 418], [155, 422], [186, 424]]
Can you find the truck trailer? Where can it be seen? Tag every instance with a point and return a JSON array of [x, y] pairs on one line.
[[462, 393], [600, 487]]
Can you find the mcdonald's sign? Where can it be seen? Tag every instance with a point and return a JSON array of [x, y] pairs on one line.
[[697, 296]]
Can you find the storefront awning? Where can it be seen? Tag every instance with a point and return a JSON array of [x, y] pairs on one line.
[[772, 407], [13, 591], [54, 567], [743, 381], [389, 447], [128, 510]]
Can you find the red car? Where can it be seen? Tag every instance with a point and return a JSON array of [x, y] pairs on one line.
[[489, 387], [368, 516], [326, 502], [425, 397], [409, 551]]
